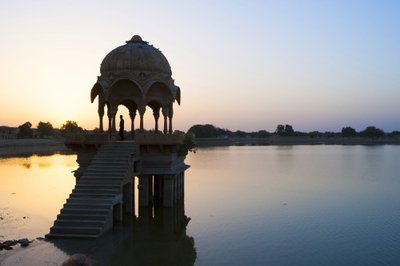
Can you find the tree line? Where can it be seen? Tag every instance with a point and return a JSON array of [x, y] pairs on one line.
[[46, 129], [211, 131]]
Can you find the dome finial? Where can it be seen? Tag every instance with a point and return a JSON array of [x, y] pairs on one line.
[[135, 38]]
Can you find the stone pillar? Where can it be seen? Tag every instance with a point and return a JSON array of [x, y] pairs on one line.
[[180, 186], [165, 115], [109, 123], [170, 114], [183, 186], [156, 114], [101, 114], [132, 116], [157, 190], [145, 190], [133, 196], [114, 129], [145, 215], [141, 122], [127, 197], [175, 189], [165, 125], [117, 212], [170, 125], [111, 113], [168, 191], [168, 221], [142, 110]]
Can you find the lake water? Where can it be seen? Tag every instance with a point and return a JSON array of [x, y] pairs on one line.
[[270, 205]]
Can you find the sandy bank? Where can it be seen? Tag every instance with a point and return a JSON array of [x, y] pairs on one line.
[[39, 252]]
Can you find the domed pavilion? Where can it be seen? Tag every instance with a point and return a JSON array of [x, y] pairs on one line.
[[136, 75]]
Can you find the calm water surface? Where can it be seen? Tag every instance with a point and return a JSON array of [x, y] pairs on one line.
[[295, 205], [273, 205]]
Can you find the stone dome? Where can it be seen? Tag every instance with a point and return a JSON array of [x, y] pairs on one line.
[[135, 55]]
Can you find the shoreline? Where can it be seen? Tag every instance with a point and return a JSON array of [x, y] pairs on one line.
[[278, 140], [49, 254], [29, 147], [42, 147]]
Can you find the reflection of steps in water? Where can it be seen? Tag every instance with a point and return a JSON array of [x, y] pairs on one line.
[[97, 198], [157, 237]]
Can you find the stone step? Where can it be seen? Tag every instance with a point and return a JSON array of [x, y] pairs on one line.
[[108, 163], [119, 147], [111, 165], [113, 153], [94, 195], [94, 201], [117, 150], [117, 144], [102, 173], [79, 223], [102, 182], [99, 182], [112, 180], [91, 174], [69, 216], [115, 157], [119, 170], [102, 176], [87, 206], [98, 185], [75, 230], [79, 211], [110, 160], [58, 235]]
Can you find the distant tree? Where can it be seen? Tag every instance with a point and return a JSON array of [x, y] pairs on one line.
[[25, 131], [284, 130], [70, 127], [224, 132], [280, 129], [240, 134], [45, 129], [204, 131], [394, 133], [331, 134], [260, 134], [348, 132], [315, 134], [289, 130], [189, 143], [372, 132], [300, 134], [178, 132]]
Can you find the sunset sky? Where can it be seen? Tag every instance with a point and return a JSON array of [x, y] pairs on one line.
[[248, 65]]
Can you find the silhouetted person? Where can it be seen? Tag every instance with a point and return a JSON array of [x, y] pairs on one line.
[[121, 127]]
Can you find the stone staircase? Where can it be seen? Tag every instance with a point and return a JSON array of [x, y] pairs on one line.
[[90, 208]]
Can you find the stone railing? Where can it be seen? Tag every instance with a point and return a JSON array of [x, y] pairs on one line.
[[83, 138], [158, 138], [141, 137]]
